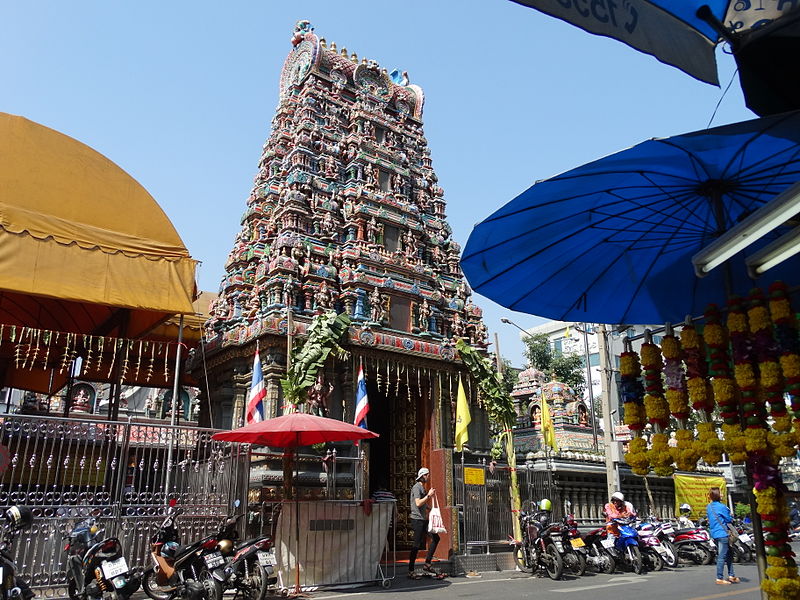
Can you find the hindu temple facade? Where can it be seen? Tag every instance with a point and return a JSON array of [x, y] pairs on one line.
[[346, 214]]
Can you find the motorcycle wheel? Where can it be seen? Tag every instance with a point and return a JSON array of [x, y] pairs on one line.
[[710, 557], [701, 556], [520, 558], [656, 561], [553, 563], [671, 560], [153, 590], [72, 590], [577, 563], [635, 556], [609, 564], [252, 584]]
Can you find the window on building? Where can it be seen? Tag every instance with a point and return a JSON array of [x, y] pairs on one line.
[[401, 314], [384, 181], [391, 238], [594, 360], [558, 348]]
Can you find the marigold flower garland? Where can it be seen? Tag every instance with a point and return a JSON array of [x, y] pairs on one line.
[[788, 341], [684, 453], [770, 375], [632, 391], [656, 407], [708, 444], [781, 581], [725, 388]]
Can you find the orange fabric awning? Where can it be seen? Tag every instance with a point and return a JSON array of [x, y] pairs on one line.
[[84, 248]]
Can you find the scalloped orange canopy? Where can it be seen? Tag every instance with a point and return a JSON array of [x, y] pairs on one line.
[[84, 248]]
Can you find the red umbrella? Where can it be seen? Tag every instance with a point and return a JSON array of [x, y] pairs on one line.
[[292, 431]]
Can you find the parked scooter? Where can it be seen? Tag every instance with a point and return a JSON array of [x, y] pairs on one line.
[[626, 546], [664, 531], [537, 547], [179, 571], [572, 546], [694, 545], [597, 545], [96, 567], [653, 551], [15, 519]]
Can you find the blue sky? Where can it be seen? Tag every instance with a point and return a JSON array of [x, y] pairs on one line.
[[181, 95]]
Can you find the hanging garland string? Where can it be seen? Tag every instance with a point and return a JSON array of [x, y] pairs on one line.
[[788, 341], [725, 383], [709, 446], [684, 453], [632, 392], [656, 407]]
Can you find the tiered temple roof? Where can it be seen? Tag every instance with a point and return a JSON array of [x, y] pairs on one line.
[[346, 213]]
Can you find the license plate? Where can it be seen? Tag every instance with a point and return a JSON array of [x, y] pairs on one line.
[[265, 559], [745, 538], [577, 543], [668, 530], [607, 543], [113, 568], [214, 560]]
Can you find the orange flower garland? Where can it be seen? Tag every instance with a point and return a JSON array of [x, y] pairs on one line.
[[684, 453], [724, 385], [786, 334]]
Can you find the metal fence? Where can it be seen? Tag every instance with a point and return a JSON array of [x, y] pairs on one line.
[[120, 472], [484, 502]]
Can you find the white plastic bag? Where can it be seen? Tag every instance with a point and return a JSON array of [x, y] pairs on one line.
[[435, 523]]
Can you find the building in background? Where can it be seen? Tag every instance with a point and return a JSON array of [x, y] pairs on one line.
[[346, 214]]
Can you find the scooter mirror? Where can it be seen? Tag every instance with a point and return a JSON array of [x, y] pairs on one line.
[[237, 503]]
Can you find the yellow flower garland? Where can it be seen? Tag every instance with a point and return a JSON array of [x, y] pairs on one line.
[[685, 453], [660, 455], [636, 457], [708, 444], [735, 443]]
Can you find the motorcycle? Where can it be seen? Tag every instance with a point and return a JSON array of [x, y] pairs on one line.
[[744, 548], [626, 545], [15, 519], [537, 548], [598, 556], [179, 571], [695, 545], [96, 567], [664, 531], [251, 572], [573, 553], [653, 551]]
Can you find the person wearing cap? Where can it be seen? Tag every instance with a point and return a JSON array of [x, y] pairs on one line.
[[419, 499]]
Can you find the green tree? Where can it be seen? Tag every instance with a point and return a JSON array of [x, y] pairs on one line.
[[566, 368]]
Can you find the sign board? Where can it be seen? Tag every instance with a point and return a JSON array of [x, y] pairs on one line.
[[693, 490], [473, 476], [622, 433]]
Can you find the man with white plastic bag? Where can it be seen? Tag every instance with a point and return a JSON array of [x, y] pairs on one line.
[[421, 526]]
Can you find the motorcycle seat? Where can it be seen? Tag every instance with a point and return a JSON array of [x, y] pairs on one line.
[[246, 543], [685, 531]]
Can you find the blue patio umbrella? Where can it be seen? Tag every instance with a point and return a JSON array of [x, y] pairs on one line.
[[612, 241], [677, 34]]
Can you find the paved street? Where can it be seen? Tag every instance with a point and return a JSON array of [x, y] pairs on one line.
[[685, 583]]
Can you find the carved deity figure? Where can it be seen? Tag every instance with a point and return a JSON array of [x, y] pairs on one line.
[[318, 395], [376, 310], [458, 326], [322, 297], [424, 315], [409, 243], [373, 231]]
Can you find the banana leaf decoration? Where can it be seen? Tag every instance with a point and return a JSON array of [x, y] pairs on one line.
[[308, 357]]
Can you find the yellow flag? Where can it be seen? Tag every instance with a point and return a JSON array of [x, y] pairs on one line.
[[548, 432], [462, 418], [567, 334]]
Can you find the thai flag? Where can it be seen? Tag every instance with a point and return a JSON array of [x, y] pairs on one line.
[[255, 400], [362, 402]]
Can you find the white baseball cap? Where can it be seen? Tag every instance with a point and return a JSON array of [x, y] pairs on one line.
[[421, 472]]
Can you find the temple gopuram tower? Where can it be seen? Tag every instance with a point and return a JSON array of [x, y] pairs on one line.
[[346, 214]]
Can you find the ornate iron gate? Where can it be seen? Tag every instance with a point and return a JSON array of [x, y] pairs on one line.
[[485, 517], [120, 472]]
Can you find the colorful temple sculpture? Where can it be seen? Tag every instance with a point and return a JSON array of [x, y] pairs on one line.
[[346, 214]]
